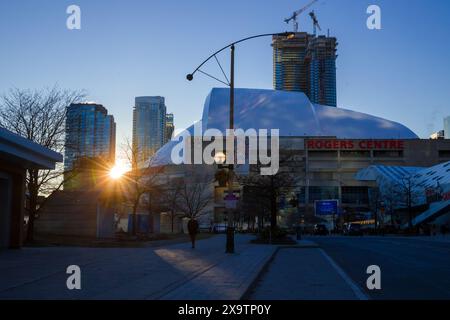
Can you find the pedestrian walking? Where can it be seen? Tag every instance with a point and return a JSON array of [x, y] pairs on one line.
[[193, 229]]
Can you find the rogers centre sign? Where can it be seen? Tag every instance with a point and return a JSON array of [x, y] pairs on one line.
[[333, 144]]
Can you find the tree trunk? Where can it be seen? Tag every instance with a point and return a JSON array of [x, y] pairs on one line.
[[410, 217], [150, 214], [32, 210], [409, 210], [134, 220], [376, 218], [172, 216], [31, 216], [273, 212], [273, 205]]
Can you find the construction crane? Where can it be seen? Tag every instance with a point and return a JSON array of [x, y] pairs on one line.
[[297, 13], [315, 22]]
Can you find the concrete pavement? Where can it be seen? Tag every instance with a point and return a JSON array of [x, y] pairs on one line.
[[412, 268], [304, 273], [169, 272]]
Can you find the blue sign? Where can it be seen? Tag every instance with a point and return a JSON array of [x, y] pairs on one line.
[[327, 207]]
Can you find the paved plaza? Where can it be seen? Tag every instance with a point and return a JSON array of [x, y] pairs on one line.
[[167, 272]]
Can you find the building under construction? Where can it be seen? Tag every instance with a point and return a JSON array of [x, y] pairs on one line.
[[306, 63]]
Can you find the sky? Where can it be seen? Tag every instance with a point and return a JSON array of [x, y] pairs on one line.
[[129, 48]]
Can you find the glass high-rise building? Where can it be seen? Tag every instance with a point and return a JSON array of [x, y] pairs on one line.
[[322, 70], [90, 132], [290, 66], [306, 63], [170, 127], [447, 127], [149, 127]]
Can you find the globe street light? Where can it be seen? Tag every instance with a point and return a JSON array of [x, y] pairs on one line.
[[230, 83], [220, 158]]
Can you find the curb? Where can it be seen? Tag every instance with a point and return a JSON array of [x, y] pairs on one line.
[[268, 262], [258, 275]]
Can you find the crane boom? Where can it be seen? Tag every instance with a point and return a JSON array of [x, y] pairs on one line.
[[315, 22], [297, 13]]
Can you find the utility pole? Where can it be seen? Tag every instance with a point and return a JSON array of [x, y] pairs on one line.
[[230, 209], [230, 227]]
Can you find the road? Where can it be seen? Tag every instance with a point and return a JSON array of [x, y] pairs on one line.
[[411, 268]]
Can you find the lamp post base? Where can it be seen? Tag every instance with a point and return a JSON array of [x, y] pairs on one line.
[[230, 240]]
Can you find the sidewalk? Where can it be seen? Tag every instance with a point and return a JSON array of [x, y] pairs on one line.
[[176, 272], [227, 280], [167, 272]]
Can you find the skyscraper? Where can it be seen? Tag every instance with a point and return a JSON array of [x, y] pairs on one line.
[[322, 70], [149, 127], [90, 132], [290, 67], [170, 127], [447, 127], [306, 63]]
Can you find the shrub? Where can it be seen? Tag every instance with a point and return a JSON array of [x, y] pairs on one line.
[[278, 233]]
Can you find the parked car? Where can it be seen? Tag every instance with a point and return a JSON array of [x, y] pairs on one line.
[[204, 228], [220, 228], [353, 229], [321, 230]]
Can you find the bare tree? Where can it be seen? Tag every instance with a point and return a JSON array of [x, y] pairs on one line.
[[40, 117], [140, 181], [269, 189], [154, 196], [408, 194], [390, 200], [196, 193], [170, 199], [254, 204], [375, 204]]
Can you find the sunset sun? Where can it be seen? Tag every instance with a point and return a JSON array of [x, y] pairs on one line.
[[117, 171]]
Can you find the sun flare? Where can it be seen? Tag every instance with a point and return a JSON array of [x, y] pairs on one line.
[[117, 171]]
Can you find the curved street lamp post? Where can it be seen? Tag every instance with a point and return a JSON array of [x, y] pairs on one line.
[[230, 83]]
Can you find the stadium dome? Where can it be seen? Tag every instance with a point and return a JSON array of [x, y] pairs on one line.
[[290, 112]]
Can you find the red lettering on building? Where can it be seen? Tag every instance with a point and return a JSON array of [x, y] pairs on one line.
[[334, 144]]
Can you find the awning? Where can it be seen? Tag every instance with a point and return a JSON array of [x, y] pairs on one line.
[[26, 153], [435, 211]]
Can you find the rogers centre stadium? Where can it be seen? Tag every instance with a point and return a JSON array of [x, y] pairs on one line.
[[331, 146]]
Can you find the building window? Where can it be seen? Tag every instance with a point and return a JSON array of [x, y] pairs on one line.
[[444, 153], [301, 195], [355, 195], [322, 154], [323, 193], [355, 154], [323, 175], [388, 154]]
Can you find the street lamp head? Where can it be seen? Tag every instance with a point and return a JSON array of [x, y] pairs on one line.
[[190, 77]]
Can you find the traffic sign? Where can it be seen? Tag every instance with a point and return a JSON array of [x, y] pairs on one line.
[[231, 201]]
